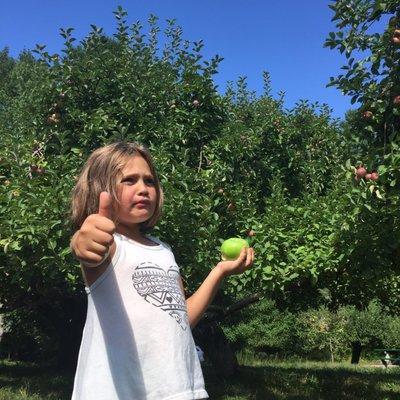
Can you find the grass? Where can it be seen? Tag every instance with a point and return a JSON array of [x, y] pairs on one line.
[[23, 381], [255, 380], [301, 380]]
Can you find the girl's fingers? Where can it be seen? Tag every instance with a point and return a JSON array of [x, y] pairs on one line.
[[102, 238], [242, 257], [248, 258], [91, 258], [97, 248]]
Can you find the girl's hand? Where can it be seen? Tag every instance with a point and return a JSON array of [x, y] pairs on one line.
[[94, 240], [241, 264]]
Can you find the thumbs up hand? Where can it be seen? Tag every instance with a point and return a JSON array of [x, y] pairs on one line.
[[94, 242]]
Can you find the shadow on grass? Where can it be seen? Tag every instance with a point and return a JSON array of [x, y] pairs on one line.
[[271, 380], [305, 382], [43, 381]]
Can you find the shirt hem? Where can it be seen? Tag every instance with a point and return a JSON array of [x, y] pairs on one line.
[[191, 395]]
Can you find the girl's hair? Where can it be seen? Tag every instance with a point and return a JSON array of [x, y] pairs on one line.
[[101, 173]]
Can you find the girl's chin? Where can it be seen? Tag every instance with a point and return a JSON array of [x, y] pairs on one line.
[[136, 219]]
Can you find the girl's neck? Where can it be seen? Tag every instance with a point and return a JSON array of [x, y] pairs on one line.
[[133, 232]]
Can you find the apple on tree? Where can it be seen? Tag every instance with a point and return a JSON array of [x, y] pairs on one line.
[[231, 206], [367, 114], [396, 36], [36, 170], [374, 176], [361, 172], [54, 118], [251, 233]]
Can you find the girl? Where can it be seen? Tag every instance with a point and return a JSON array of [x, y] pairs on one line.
[[137, 342]]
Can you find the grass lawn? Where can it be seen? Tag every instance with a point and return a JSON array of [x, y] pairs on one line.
[[256, 380]]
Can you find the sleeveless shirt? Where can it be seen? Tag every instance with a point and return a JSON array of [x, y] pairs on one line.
[[137, 343]]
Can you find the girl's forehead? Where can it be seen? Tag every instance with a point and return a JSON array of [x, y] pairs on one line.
[[135, 164]]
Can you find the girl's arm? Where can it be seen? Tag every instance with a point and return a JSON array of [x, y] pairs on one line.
[[198, 303]]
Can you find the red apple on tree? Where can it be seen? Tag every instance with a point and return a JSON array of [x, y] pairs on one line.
[[367, 114], [54, 118], [36, 169], [250, 237], [368, 176], [361, 171], [396, 36], [374, 176], [231, 206], [251, 233], [396, 100]]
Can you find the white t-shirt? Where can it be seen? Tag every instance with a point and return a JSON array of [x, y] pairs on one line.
[[137, 343]]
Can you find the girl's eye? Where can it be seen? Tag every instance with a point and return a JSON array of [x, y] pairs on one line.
[[132, 181], [150, 181], [128, 181]]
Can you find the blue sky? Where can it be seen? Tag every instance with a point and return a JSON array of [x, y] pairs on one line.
[[283, 37]]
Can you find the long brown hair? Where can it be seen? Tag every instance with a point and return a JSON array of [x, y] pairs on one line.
[[100, 173]]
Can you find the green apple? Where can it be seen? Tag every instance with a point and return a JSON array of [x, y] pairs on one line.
[[232, 247]]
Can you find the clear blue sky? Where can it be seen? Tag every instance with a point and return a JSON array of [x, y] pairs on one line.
[[284, 37]]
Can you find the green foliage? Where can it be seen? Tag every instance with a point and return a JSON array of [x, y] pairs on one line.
[[371, 217], [365, 326], [263, 328], [390, 328], [322, 333], [227, 163], [315, 333]]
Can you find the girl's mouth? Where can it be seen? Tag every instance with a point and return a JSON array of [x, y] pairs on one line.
[[142, 204]]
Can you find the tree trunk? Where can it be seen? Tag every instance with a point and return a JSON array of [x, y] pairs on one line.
[[212, 340], [356, 352]]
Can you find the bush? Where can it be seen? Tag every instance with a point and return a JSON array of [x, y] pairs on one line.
[[219, 158], [322, 333], [228, 163], [365, 326], [391, 333], [317, 333], [263, 328]]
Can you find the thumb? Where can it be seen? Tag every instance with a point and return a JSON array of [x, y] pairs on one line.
[[105, 205]]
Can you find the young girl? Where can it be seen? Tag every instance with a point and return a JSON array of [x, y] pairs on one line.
[[137, 342]]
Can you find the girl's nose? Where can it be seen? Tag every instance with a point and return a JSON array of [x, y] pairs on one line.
[[142, 187]]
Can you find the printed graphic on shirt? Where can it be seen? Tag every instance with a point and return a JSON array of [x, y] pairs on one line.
[[161, 289]]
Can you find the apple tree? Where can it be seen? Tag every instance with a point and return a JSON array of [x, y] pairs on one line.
[[371, 78], [228, 164]]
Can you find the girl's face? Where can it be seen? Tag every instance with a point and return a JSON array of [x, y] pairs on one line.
[[136, 193]]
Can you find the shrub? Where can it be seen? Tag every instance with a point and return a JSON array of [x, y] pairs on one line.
[[390, 332], [322, 333], [263, 328], [364, 326]]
